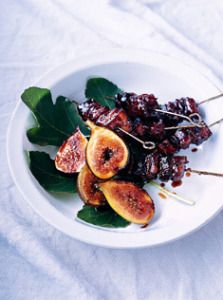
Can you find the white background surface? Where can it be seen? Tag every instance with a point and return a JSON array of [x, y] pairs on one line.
[[37, 261]]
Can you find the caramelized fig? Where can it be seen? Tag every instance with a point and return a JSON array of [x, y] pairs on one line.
[[128, 200], [106, 152], [70, 157], [87, 188]]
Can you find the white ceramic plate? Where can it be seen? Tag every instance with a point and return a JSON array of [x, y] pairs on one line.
[[136, 71]]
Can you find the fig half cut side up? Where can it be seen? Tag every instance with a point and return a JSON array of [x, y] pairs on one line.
[[71, 157], [128, 200], [106, 152], [87, 188]]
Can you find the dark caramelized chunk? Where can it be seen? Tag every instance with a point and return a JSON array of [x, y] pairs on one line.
[[151, 165], [103, 116], [137, 105], [157, 130], [181, 139], [92, 110], [114, 119], [165, 168], [165, 147], [200, 134], [190, 106], [178, 166], [140, 129]]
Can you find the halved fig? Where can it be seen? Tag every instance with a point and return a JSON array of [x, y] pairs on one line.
[[106, 152], [87, 188], [128, 200], [70, 157]]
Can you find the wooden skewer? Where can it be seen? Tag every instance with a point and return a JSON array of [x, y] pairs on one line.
[[150, 145], [191, 119], [199, 172], [210, 99], [215, 123], [171, 194]]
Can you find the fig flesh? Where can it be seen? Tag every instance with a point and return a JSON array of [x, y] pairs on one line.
[[128, 200], [87, 188], [70, 157], [106, 152]]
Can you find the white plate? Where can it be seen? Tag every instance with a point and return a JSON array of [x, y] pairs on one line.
[[140, 72]]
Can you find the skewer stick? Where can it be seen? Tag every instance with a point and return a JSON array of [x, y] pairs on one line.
[[191, 119], [215, 123], [199, 172], [171, 194], [183, 126], [210, 99], [146, 144], [150, 145]]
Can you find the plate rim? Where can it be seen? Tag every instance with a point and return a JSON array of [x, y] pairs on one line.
[[85, 62]]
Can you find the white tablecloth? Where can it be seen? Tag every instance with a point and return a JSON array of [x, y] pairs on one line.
[[36, 260]]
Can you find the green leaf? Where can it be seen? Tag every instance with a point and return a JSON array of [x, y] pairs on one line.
[[44, 170], [102, 90], [55, 122], [104, 217]]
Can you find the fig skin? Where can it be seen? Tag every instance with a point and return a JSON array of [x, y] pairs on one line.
[[128, 200], [71, 156], [87, 188], [106, 152]]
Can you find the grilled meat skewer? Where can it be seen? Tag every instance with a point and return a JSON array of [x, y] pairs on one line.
[[156, 165], [146, 105]]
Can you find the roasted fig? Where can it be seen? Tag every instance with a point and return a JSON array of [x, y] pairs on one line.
[[87, 188], [128, 200], [70, 157], [106, 152]]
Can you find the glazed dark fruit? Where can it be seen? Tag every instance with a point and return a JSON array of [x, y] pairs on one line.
[[106, 152], [70, 157], [128, 200], [87, 188]]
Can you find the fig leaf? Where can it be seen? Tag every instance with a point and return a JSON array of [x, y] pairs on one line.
[[52, 180], [55, 122], [102, 91], [104, 217]]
